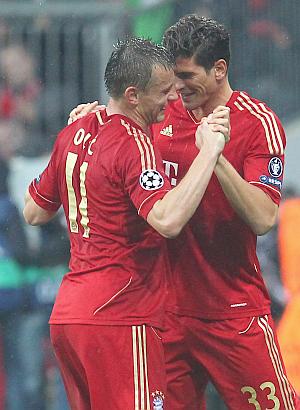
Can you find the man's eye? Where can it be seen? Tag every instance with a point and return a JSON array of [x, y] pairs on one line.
[[183, 76]]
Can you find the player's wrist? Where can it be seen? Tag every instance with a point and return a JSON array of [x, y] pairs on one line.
[[214, 149], [221, 161]]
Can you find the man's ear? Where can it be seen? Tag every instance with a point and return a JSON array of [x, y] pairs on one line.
[[131, 94], [221, 69]]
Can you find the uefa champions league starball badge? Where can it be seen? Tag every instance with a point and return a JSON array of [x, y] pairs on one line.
[[158, 400], [151, 179]]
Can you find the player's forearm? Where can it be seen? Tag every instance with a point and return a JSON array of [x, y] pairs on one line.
[[170, 215], [253, 205]]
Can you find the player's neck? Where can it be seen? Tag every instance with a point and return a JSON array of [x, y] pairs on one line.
[[118, 107], [221, 97]]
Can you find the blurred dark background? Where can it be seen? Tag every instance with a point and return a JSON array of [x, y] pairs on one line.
[[52, 57]]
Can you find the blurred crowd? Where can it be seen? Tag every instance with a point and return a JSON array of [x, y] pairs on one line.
[[32, 261]]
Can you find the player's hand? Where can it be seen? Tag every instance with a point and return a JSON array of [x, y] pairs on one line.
[[83, 109], [214, 141], [219, 120]]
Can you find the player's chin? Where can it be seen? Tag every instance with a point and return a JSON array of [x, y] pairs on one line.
[[161, 116], [192, 102], [190, 105]]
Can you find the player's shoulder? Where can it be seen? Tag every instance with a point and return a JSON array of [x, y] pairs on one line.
[[76, 134], [128, 138], [258, 122], [126, 128], [88, 123], [253, 108]]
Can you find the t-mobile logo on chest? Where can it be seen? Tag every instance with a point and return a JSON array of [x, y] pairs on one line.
[[171, 170]]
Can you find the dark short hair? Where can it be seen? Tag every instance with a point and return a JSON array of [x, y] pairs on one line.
[[131, 64], [200, 37]]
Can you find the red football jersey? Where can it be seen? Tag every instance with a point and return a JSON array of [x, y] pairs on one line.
[[215, 270], [107, 176]]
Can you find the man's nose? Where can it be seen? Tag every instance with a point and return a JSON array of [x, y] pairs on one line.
[[173, 95], [179, 84]]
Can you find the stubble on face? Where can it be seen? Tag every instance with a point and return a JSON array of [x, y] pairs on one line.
[[193, 83], [158, 92]]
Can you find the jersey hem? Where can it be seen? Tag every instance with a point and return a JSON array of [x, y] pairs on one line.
[[78, 321], [220, 315]]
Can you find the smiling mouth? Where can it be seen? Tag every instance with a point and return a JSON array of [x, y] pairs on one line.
[[186, 95]]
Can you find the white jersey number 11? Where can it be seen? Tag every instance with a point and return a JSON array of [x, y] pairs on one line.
[[73, 206]]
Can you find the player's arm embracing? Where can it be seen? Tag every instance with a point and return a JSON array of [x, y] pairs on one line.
[[169, 215], [168, 210], [255, 196]]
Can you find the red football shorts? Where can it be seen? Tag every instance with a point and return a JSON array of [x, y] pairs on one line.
[[111, 367], [240, 356]]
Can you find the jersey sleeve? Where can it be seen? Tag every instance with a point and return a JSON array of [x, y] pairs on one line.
[[44, 188], [264, 164], [141, 169]]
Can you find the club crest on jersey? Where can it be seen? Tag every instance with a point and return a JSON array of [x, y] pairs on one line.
[[38, 179], [270, 181], [158, 400], [275, 167], [151, 179]]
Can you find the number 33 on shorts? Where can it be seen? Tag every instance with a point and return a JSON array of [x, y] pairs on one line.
[[270, 394]]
